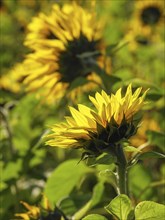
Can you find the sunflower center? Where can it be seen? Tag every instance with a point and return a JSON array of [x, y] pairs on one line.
[[151, 15], [70, 63]]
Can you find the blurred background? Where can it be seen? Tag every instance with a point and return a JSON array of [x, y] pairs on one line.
[[134, 35]]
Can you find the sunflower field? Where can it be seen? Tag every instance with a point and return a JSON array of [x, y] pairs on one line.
[[82, 110]]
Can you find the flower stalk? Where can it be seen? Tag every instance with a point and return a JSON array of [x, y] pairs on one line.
[[121, 171]]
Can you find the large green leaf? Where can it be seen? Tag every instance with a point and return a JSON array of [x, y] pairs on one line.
[[64, 179], [155, 95], [96, 198], [120, 207], [94, 217], [139, 180], [149, 210], [151, 154], [156, 138]]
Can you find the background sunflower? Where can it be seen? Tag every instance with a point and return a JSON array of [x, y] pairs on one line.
[[66, 45], [146, 25]]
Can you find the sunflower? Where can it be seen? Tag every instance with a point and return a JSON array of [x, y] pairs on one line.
[[65, 44], [101, 130], [33, 212], [150, 12], [44, 211], [147, 21], [12, 80]]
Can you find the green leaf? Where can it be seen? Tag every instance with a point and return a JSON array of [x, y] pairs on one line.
[[154, 95], [151, 154], [109, 80], [113, 48], [68, 206], [97, 194], [96, 198], [64, 179], [139, 179], [94, 217], [11, 171], [156, 138], [131, 149], [80, 81], [149, 210], [110, 49], [140, 82], [38, 158], [120, 207], [109, 176], [102, 159]]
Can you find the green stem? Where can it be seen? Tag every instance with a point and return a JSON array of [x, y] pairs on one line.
[[121, 171]]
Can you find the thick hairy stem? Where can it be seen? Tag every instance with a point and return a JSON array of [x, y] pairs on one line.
[[121, 171]]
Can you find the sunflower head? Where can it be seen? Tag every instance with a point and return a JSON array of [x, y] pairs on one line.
[[150, 12], [65, 44], [99, 130], [32, 213], [146, 23], [44, 211]]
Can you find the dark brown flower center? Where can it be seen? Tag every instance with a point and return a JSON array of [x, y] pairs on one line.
[[151, 15], [71, 65]]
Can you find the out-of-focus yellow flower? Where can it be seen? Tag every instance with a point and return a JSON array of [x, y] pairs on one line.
[[44, 211], [33, 212], [99, 131], [149, 13], [147, 20], [12, 81], [63, 25], [65, 44]]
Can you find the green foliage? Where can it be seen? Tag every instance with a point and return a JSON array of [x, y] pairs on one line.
[[94, 217], [95, 199], [151, 154], [149, 210], [156, 138], [102, 159], [120, 207], [78, 189], [137, 185], [65, 177]]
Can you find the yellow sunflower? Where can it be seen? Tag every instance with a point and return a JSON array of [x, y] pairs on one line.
[[44, 211], [146, 24], [65, 44], [33, 212], [12, 80], [100, 130], [149, 12]]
